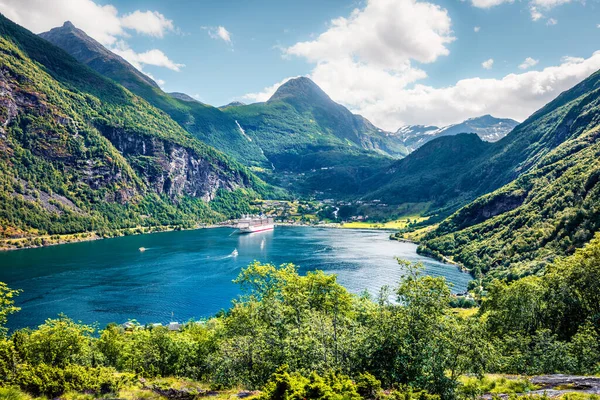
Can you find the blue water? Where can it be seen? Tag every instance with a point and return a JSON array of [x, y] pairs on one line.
[[188, 274]]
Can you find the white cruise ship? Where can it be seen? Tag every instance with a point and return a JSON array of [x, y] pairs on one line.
[[255, 224]]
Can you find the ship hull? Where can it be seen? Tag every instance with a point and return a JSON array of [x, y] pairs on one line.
[[259, 228]]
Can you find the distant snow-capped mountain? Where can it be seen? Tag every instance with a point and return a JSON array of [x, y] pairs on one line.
[[487, 127]]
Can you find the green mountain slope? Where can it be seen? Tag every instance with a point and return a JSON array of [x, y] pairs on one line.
[[553, 205], [205, 122], [80, 152], [286, 139], [473, 175], [315, 145], [432, 173], [301, 114]]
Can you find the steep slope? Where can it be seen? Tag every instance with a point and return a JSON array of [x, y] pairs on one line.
[[552, 208], [274, 137], [504, 161], [80, 152], [488, 128], [315, 145], [435, 173], [205, 122], [331, 118]]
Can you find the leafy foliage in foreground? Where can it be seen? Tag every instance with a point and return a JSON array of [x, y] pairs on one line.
[[307, 337]]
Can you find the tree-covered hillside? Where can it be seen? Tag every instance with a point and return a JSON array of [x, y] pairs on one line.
[[553, 206], [315, 145], [82, 153], [205, 122], [300, 130]]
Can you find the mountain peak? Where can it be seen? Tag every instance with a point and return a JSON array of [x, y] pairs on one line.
[[300, 88], [89, 51], [183, 97]]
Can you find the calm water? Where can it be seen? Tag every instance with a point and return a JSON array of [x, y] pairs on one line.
[[188, 274]]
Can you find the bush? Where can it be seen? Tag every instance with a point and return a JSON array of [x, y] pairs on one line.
[[293, 386], [367, 385], [45, 380]]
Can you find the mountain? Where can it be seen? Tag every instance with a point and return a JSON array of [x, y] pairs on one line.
[[182, 97], [80, 152], [332, 118], [284, 139], [488, 128], [205, 122], [315, 145], [551, 207], [436, 173], [233, 104]]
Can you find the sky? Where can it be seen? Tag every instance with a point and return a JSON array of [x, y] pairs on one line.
[[396, 62]]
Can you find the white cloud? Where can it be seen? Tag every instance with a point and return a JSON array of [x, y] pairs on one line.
[[528, 63], [219, 32], [536, 7], [150, 23], [389, 102], [489, 3], [387, 33], [535, 14], [102, 22], [476, 29], [153, 57], [548, 4], [385, 88], [488, 64]]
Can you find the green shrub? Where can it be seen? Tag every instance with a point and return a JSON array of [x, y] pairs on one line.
[[45, 380], [367, 385], [293, 386]]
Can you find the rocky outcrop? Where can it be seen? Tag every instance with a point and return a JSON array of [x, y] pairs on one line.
[[172, 169]]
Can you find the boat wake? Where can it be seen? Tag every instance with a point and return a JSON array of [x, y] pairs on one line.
[[233, 254]]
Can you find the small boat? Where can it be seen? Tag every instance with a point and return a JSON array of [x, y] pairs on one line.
[[234, 253], [142, 249]]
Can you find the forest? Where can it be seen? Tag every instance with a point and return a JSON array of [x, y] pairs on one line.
[[290, 336]]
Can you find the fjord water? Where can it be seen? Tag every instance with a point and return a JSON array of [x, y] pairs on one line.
[[188, 274]]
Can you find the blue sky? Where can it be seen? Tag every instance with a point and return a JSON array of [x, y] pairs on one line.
[[394, 61]]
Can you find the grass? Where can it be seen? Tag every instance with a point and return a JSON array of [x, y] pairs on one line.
[[141, 390], [418, 234], [395, 225], [495, 384], [11, 393], [465, 312]]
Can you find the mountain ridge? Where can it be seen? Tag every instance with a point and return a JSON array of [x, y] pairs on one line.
[[552, 205], [207, 123], [487, 127]]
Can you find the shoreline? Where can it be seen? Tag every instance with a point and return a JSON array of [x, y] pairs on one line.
[[92, 236]]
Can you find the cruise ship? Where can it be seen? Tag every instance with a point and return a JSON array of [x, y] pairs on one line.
[[255, 224]]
